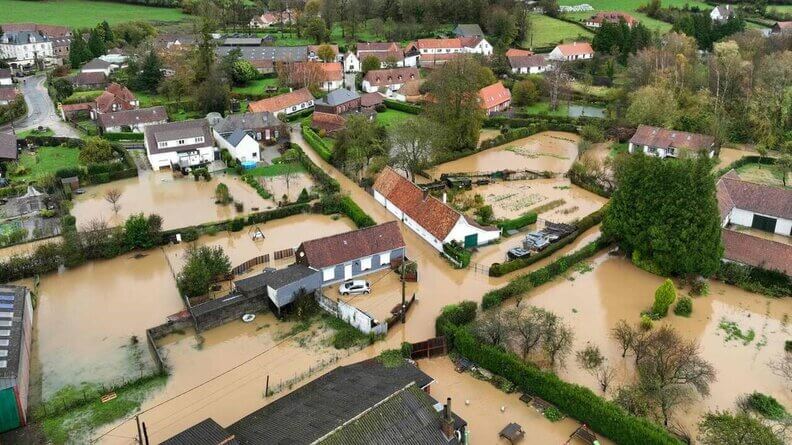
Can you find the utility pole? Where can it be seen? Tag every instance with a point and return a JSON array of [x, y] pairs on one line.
[[266, 389], [139, 438], [403, 291], [145, 434]]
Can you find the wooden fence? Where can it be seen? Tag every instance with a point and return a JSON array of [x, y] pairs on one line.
[[281, 254], [244, 267], [429, 348]]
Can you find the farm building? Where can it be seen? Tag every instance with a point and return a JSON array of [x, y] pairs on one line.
[[661, 142], [433, 220], [569, 52], [16, 332], [288, 103]]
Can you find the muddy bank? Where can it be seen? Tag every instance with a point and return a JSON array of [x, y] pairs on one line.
[[180, 202]]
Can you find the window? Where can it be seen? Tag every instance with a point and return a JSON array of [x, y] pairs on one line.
[[384, 258], [181, 141], [764, 223], [365, 263], [199, 139], [328, 274], [162, 144]]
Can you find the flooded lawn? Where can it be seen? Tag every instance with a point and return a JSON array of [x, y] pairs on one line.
[[553, 151], [180, 202], [487, 409], [86, 317], [594, 301], [488, 133], [26, 248], [278, 187]]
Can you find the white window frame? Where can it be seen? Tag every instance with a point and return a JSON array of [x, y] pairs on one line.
[[384, 258], [365, 263], [328, 273]]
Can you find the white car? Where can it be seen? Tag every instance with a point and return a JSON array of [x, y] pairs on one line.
[[354, 287]]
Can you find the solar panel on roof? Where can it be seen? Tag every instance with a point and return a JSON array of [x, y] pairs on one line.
[[4, 342], [3, 353], [5, 332], [3, 363], [6, 314]]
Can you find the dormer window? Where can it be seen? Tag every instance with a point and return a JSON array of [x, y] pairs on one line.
[[181, 142]]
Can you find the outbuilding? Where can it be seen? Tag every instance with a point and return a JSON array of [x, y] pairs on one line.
[[16, 334], [281, 286]]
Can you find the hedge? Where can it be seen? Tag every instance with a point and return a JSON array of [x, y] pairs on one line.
[[745, 160], [123, 136], [755, 279], [587, 222], [328, 183], [299, 115], [458, 254], [519, 222], [355, 213], [14, 110], [251, 181], [579, 402], [526, 282], [316, 143], [402, 106]]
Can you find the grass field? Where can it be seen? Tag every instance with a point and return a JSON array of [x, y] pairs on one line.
[[256, 87], [46, 160], [630, 7], [83, 13], [391, 117], [275, 170], [544, 108], [763, 174], [34, 132], [549, 31], [83, 96]]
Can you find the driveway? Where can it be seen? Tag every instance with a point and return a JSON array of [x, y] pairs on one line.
[[41, 110]]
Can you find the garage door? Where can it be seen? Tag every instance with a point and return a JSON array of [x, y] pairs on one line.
[[471, 240], [764, 223]]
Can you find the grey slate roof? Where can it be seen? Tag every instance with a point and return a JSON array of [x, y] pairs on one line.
[[132, 117], [206, 432], [468, 30], [24, 37], [236, 137], [247, 122], [277, 53], [177, 130], [326, 403], [8, 146], [96, 64], [242, 41], [338, 97], [13, 300], [276, 279]]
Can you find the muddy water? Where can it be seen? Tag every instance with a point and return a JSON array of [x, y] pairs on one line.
[[386, 290], [551, 151], [86, 317], [487, 134], [487, 409], [594, 301], [278, 187], [179, 201]]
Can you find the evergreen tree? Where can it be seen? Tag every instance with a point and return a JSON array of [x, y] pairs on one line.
[[665, 213], [151, 73], [78, 51], [96, 42], [108, 32]]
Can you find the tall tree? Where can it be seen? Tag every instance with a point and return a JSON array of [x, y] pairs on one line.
[[150, 73], [96, 42], [78, 50], [412, 144], [502, 28], [725, 428], [107, 32], [358, 143]]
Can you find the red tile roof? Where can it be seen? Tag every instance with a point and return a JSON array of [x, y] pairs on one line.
[[371, 99], [575, 48], [511, 52], [332, 71], [327, 121], [664, 138], [494, 95], [435, 217], [755, 251], [77, 107], [438, 43], [377, 47], [337, 249], [8, 93], [784, 25], [381, 78], [733, 192], [277, 103]]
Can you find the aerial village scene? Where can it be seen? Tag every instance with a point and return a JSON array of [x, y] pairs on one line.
[[360, 222]]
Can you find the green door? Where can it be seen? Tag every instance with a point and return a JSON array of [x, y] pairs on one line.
[[471, 240], [764, 223], [9, 416]]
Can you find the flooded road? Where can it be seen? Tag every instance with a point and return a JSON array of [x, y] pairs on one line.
[[180, 202]]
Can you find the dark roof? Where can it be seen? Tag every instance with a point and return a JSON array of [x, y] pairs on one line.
[[468, 30], [172, 131], [663, 138], [527, 61], [338, 97], [218, 303], [755, 251], [326, 403], [8, 93], [337, 249], [132, 117], [407, 417], [206, 432], [247, 121], [242, 41], [5, 74], [371, 99], [24, 37], [8, 146], [96, 64], [733, 192], [275, 53], [95, 78], [236, 137], [13, 300], [275, 279]]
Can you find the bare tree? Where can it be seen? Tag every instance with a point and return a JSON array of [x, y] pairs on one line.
[[782, 367], [625, 335], [492, 327], [557, 81], [112, 196], [529, 327], [605, 374], [640, 345], [557, 342]]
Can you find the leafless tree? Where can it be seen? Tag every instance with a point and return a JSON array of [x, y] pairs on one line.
[[625, 335], [605, 374], [112, 196], [641, 343], [492, 327], [557, 81], [557, 342], [529, 327], [782, 367]]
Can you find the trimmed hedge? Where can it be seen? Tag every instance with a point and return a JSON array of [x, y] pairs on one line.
[[251, 181], [526, 282], [355, 213], [579, 402], [402, 106], [755, 279], [519, 222], [587, 222], [329, 184], [316, 143], [299, 115], [123, 136]]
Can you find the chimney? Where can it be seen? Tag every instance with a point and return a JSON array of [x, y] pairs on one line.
[[447, 423], [445, 198]]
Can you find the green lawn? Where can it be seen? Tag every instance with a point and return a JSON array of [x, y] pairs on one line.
[[544, 108], [549, 32], [275, 170], [34, 132], [46, 160], [785, 9], [82, 96], [622, 147], [391, 117], [763, 174], [83, 13], [257, 86], [630, 7]]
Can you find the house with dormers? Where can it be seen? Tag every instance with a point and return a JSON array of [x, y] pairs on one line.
[[388, 80]]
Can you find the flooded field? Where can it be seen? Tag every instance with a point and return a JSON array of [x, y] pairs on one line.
[[549, 151], [487, 409], [277, 185], [488, 133], [86, 317], [180, 202]]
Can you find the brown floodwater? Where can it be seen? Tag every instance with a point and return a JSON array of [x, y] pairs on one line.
[[488, 133], [553, 151], [278, 187], [180, 202]]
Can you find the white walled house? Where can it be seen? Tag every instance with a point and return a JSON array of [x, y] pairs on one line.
[[99, 66], [240, 144], [569, 52], [288, 103], [663, 143], [351, 63], [179, 145], [131, 120], [5, 78], [759, 206], [436, 51], [721, 13], [389, 80], [22, 49], [526, 62], [434, 221]]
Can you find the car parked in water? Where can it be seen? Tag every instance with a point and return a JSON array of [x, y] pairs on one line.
[[535, 240], [353, 287], [518, 252]]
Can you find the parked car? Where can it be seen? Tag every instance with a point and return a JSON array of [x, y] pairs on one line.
[[518, 252], [354, 287], [535, 240]]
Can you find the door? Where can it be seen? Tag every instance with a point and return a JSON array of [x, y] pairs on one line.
[[347, 271], [471, 240], [764, 223]]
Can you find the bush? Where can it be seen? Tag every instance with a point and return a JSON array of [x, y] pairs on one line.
[[765, 405], [519, 222], [202, 267], [236, 224], [316, 143], [665, 295], [755, 279], [458, 254], [406, 349], [684, 307], [355, 213], [402, 106], [123, 136], [553, 414], [646, 322], [253, 182], [455, 314], [593, 133]]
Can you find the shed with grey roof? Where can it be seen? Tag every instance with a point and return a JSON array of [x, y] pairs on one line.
[[273, 53], [281, 286], [16, 332]]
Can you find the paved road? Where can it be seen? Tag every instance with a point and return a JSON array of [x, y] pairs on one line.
[[41, 110]]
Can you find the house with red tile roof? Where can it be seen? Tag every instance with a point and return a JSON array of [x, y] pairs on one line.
[[436, 51], [329, 122], [430, 218], [599, 18], [494, 98], [781, 28], [568, 52], [349, 255], [388, 80], [115, 97], [288, 103], [661, 142]]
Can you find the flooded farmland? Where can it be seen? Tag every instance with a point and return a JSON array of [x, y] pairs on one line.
[[180, 202]]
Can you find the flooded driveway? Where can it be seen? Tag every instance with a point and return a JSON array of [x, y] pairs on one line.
[[180, 202]]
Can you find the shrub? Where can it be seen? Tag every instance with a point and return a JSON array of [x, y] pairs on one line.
[[402, 106], [519, 222], [221, 194], [754, 279], [646, 322], [765, 405], [455, 314], [592, 133], [236, 224], [665, 295], [788, 346], [355, 213], [316, 143], [684, 306], [202, 267], [458, 253], [406, 349], [553, 414]]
